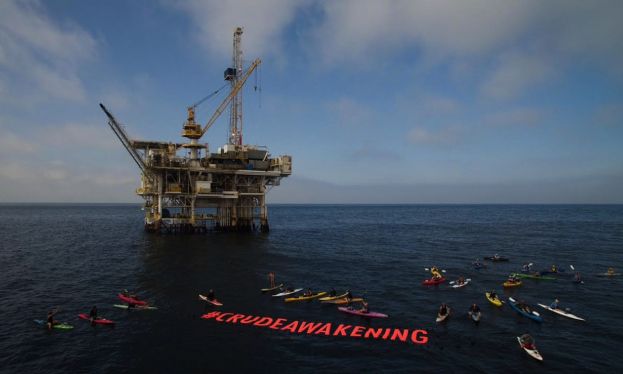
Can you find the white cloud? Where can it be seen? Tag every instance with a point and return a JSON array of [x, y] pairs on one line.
[[41, 57], [515, 117], [264, 24], [515, 73], [77, 136], [422, 136]]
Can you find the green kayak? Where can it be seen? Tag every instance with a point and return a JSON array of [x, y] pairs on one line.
[[58, 326], [534, 276]]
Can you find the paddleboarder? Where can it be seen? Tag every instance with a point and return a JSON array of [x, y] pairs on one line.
[[93, 314], [211, 295], [364, 307], [554, 305], [349, 296], [271, 279], [50, 320]]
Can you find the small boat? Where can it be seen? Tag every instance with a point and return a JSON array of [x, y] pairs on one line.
[[528, 314], [455, 284], [135, 307], [441, 318], [211, 301], [286, 292], [98, 320], [433, 281], [304, 297], [561, 312], [496, 258], [360, 313], [495, 301], [131, 300], [270, 289], [509, 284], [527, 343], [343, 301], [329, 298]]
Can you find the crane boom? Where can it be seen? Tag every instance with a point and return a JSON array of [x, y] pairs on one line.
[[231, 95], [124, 138]]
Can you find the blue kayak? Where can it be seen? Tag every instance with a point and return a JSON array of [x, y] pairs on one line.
[[532, 315]]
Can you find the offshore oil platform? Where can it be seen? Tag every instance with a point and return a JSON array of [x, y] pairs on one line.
[[188, 189]]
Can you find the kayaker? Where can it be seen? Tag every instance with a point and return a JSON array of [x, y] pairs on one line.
[[525, 268], [496, 256], [554, 269], [364, 307], [474, 308], [349, 296], [211, 295], [443, 309], [578, 278], [332, 293], [271, 279], [554, 305], [50, 320], [527, 341], [610, 271], [93, 314], [127, 293], [308, 292], [461, 280], [493, 295], [512, 278]]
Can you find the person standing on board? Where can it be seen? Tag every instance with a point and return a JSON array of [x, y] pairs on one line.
[[271, 279], [50, 320], [93, 314]]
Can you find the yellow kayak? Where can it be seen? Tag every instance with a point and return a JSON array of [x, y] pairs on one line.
[[343, 301], [327, 298], [303, 297], [496, 301], [508, 284]]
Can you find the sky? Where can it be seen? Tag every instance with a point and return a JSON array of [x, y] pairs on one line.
[[377, 101]]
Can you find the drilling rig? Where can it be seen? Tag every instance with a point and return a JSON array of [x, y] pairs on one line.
[[188, 189]]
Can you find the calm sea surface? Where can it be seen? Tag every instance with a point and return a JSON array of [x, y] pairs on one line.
[[75, 257]]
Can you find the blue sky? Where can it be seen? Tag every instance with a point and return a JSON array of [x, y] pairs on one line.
[[377, 101]]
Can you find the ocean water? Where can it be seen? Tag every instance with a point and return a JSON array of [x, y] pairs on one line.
[[75, 257]]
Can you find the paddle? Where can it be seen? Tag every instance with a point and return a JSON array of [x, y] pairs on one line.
[[442, 270], [572, 268]]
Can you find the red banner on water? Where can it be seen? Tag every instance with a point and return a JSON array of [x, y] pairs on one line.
[[320, 328]]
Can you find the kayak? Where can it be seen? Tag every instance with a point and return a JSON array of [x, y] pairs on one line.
[[329, 298], [271, 288], [138, 307], [343, 301], [456, 285], [286, 293], [532, 315], [534, 276], [508, 284], [303, 297], [98, 320], [131, 300], [360, 313], [213, 302], [562, 312], [496, 259], [58, 326], [497, 302], [432, 282], [441, 318], [608, 274], [474, 316], [531, 351]]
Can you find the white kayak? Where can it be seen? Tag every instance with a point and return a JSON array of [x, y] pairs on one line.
[[562, 313], [286, 293], [136, 307], [441, 318], [532, 352], [456, 285]]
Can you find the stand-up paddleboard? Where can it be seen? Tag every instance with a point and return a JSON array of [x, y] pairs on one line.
[[530, 349], [362, 314], [532, 314], [496, 259], [137, 307], [441, 318], [303, 297], [98, 320], [561, 312], [270, 289], [213, 302], [535, 276], [131, 300], [58, 326], [286, 293], [495, 301], [455, 284]]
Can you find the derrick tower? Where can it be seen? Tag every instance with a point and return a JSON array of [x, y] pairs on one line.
[[188, 189]]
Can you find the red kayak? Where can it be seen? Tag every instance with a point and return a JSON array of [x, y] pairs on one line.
[[131, 300], [432, 282], [99, 320], [361, 313]]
